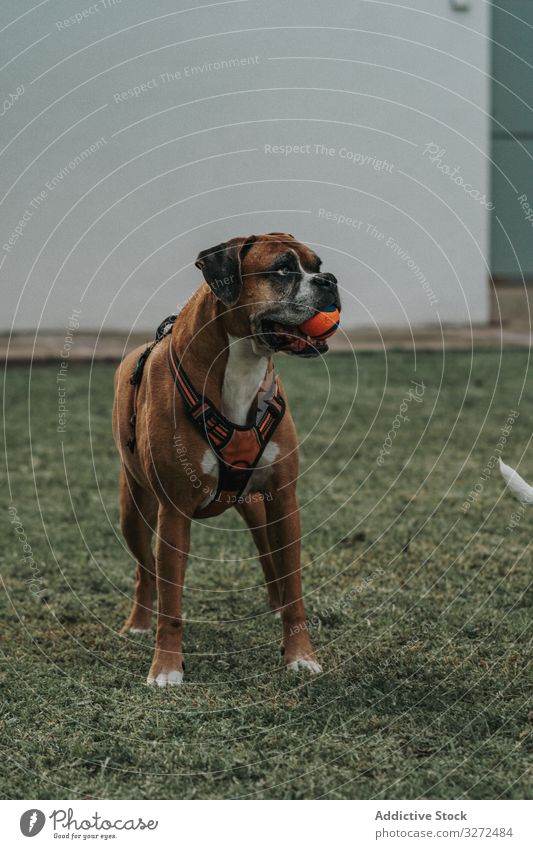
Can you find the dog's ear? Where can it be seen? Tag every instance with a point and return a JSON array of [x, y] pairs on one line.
[[221, 267]]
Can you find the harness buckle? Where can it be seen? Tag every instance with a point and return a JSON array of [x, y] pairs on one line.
[[165, 327], [197, 409], [276, 407], [209, 421]]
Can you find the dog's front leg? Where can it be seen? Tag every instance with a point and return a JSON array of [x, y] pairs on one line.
[[173, 537], [285, 540]]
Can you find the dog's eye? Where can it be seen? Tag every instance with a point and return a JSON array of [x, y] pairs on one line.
[[284, 271]]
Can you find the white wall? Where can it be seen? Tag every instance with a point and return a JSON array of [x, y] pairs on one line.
[[183, 163]]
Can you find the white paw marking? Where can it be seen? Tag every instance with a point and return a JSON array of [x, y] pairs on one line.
[[310, 665], [166, 679]]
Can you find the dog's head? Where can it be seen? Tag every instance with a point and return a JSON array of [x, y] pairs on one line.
[[269, 286]]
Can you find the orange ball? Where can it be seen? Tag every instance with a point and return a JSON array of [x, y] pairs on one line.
[[323, 324]]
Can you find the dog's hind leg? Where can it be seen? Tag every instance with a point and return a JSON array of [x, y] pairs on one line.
[[254, 514], [138, 518]]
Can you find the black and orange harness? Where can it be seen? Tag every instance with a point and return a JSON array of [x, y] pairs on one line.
[[238, 448]]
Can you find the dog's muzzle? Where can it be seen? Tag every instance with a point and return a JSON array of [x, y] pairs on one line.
[[278, 336]]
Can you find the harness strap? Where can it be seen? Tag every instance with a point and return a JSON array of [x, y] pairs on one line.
[[163, 330]]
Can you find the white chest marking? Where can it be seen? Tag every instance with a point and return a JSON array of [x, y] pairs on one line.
[[244, 374]]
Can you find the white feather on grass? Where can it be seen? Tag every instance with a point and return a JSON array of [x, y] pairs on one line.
[[518, 487]]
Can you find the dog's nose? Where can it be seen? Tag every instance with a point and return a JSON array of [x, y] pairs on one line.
[[325, 281]]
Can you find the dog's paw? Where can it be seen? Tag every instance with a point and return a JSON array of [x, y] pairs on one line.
[[166, 669], [306, 664], [170, 678], [138, 622]]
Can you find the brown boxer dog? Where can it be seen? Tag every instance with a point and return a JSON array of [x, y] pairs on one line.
[[257, 292]]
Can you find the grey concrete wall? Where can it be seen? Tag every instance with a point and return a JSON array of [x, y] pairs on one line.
[[135, 134]]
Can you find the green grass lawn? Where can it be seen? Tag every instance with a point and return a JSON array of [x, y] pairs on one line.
[[418, 610]]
